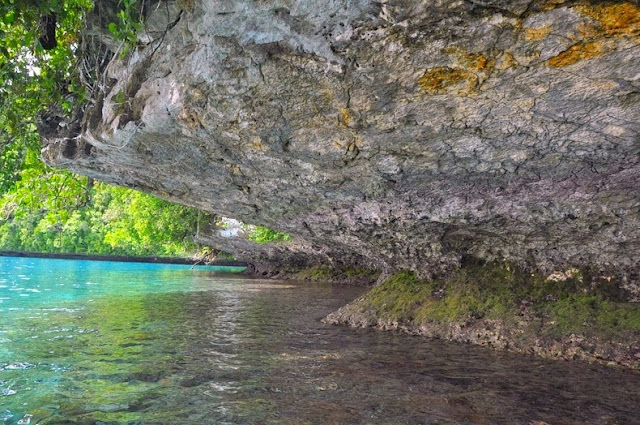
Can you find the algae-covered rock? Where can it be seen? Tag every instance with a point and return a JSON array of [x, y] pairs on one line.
[[562, 316]]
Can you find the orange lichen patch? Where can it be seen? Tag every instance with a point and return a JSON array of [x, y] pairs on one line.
[[577, 52], [551, 4], [614, 19], [467, 74], [440, 79], [536, 34], [587, 30], [477, 61]]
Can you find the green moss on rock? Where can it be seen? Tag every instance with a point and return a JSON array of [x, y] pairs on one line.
[[499, 291], [352, 275], [316, 273]]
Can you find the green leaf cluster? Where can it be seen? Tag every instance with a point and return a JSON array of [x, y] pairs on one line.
[[128, 25], [32, 78]]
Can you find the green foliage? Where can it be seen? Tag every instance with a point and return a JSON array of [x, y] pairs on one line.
[[261, 234], [45, 210], [128, 25], [317, 273], [149, 224], [592, 314], [361, 273], [31, 78], [55, 212], [326, 273]]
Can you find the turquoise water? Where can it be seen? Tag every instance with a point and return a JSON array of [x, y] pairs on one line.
[[124, 343], [76, 334], [25, 282]]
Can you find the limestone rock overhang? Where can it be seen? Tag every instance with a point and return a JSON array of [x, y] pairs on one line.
[[396, 134]]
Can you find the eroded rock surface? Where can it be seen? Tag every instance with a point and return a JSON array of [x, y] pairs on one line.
[[398, 134]]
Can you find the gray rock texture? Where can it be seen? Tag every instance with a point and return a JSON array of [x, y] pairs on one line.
[[397, 134]]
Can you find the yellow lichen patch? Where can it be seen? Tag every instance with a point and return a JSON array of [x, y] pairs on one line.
[[605, 85], [577, 52], [536, 34], [235, 170], [345, 116], [476, 62], [190, 117], [256, 143], [326, 96], [467, 74], [438, 80], [614, 19], [352, 147]]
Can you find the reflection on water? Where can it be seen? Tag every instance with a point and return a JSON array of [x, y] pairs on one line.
[[131, 343]]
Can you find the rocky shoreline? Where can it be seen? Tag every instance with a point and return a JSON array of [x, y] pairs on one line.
[[497, 335], [564, 317], [569, 315]]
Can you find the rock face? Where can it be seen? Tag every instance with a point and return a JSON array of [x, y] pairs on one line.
[[398, 134]]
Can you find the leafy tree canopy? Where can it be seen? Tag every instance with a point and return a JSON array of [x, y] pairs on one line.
[[32, 78], [48, 210]]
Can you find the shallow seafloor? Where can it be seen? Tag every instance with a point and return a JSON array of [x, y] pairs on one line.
[[85, 343]]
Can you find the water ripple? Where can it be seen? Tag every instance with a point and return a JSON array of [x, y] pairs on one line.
[[6, 415], [18, 366]]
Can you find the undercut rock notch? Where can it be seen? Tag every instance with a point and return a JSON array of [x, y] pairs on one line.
[[395, 135]]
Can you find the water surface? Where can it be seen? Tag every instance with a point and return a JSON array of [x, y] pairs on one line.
[[97, 342]]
